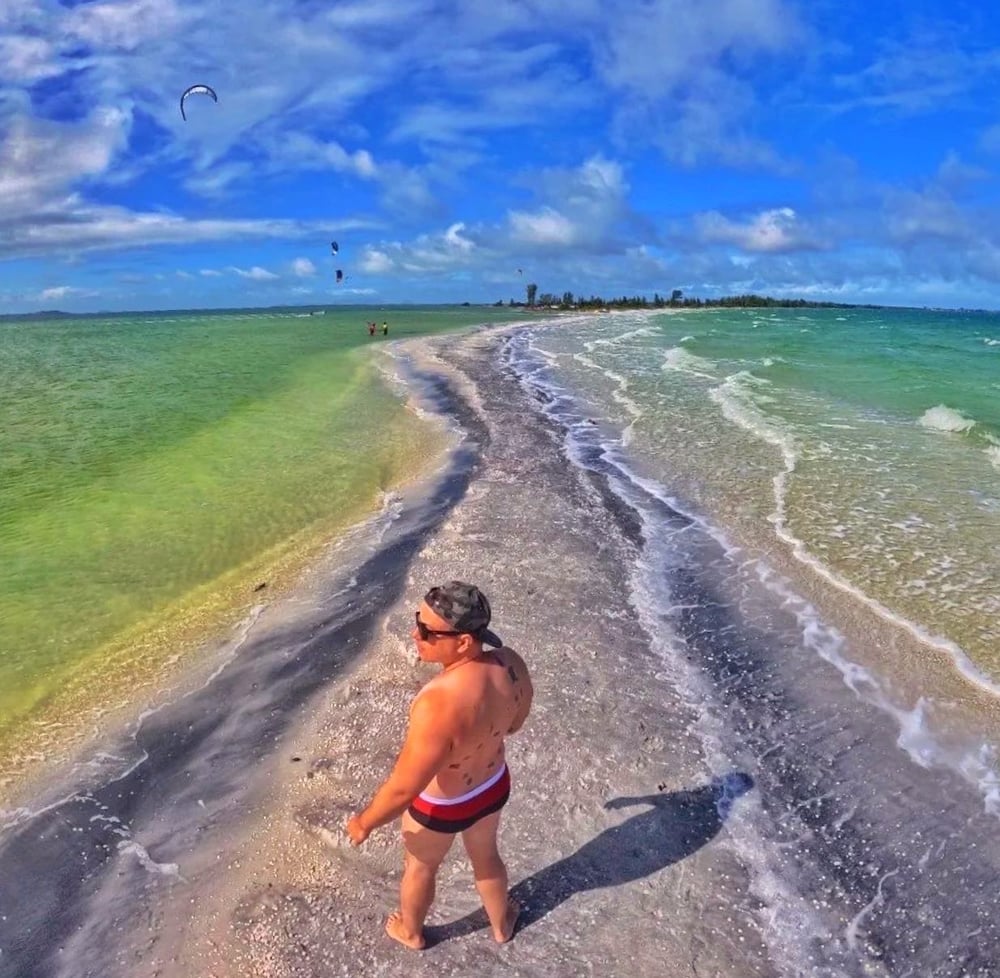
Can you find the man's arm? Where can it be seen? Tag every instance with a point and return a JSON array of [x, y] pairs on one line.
[[427, 745]]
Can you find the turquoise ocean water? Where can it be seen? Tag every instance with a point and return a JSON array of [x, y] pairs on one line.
[[863, 443], [154, 468]]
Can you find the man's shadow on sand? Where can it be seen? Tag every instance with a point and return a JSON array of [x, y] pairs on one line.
[[673, 826]]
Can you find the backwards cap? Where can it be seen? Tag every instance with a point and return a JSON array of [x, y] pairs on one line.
[[465, 608]]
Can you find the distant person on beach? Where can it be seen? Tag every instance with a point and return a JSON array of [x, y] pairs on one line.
[[371, 329], [385, 329], [451, 776]]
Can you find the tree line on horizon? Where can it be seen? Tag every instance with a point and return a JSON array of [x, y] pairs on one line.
[[548, 300]]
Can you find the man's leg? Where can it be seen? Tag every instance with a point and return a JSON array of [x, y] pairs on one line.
[[491, 876], [425, 851]]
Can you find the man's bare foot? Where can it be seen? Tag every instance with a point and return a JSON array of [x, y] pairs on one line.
[[506, 932], [395, 929]]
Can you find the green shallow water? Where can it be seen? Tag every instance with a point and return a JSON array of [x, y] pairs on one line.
[[148, 462]]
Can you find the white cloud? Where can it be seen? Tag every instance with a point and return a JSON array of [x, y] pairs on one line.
[[70, 224], [308, 152], [303, 268], [125, 26], [692, 89], [28, 59], [210, 273], [695, 39], [376, 262], [63, 292], [544, 227], [40, 159], [769, 231], [453, 236], [256, 273]]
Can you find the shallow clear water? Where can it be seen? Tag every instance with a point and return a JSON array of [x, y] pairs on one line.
[[153, 468], [866, 441]]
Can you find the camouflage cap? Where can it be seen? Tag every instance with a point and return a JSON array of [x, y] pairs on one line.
[[465, 608]]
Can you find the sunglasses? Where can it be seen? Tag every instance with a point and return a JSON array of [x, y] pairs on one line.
[[425, 632]]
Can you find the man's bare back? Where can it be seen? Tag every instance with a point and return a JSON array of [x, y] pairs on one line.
[[451, 777], [489, 699]]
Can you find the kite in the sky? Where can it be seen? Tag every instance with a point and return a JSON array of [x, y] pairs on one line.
[[334, 247], [197, 90], [340, 275]]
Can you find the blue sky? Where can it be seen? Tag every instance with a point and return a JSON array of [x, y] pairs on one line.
[[459, 150]]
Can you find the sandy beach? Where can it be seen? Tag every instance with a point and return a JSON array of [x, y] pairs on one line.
[[609, 833], [634, 833]]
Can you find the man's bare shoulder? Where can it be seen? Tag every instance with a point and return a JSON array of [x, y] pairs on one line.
[[434, 698], [516, 667]]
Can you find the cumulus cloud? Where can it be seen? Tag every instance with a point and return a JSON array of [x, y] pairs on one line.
[[305, 152], [64, 292], [444, 145], [375, 261], [586, 207], [769, 231], [544, 227]]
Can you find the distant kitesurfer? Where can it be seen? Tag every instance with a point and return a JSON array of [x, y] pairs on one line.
[[451, 775]]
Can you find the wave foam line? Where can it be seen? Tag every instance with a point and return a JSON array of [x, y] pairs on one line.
[[976, 764], [735, 400], [786, 915]]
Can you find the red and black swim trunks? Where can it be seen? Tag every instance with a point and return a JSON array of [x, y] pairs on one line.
[[458, 814]]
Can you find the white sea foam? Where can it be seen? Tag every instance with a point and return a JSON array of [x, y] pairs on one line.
[[148, 863], [791, 924], [943, 418], [788, 920], [678, 359], [686, 339], [856, 923], [631, 334], [619, 394], [975, 762], [740, 398], [991, 342]]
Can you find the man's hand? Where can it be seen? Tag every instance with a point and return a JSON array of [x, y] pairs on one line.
[[356, 830]]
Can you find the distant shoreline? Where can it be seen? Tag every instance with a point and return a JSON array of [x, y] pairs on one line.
[[724, 302]]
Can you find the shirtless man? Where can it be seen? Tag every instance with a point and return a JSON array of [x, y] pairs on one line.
[[451, 776]]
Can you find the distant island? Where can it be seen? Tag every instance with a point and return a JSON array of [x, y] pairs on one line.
[[546, 301], [677, 300]]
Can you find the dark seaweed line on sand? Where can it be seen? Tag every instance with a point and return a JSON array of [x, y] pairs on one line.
[[53, 867]]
